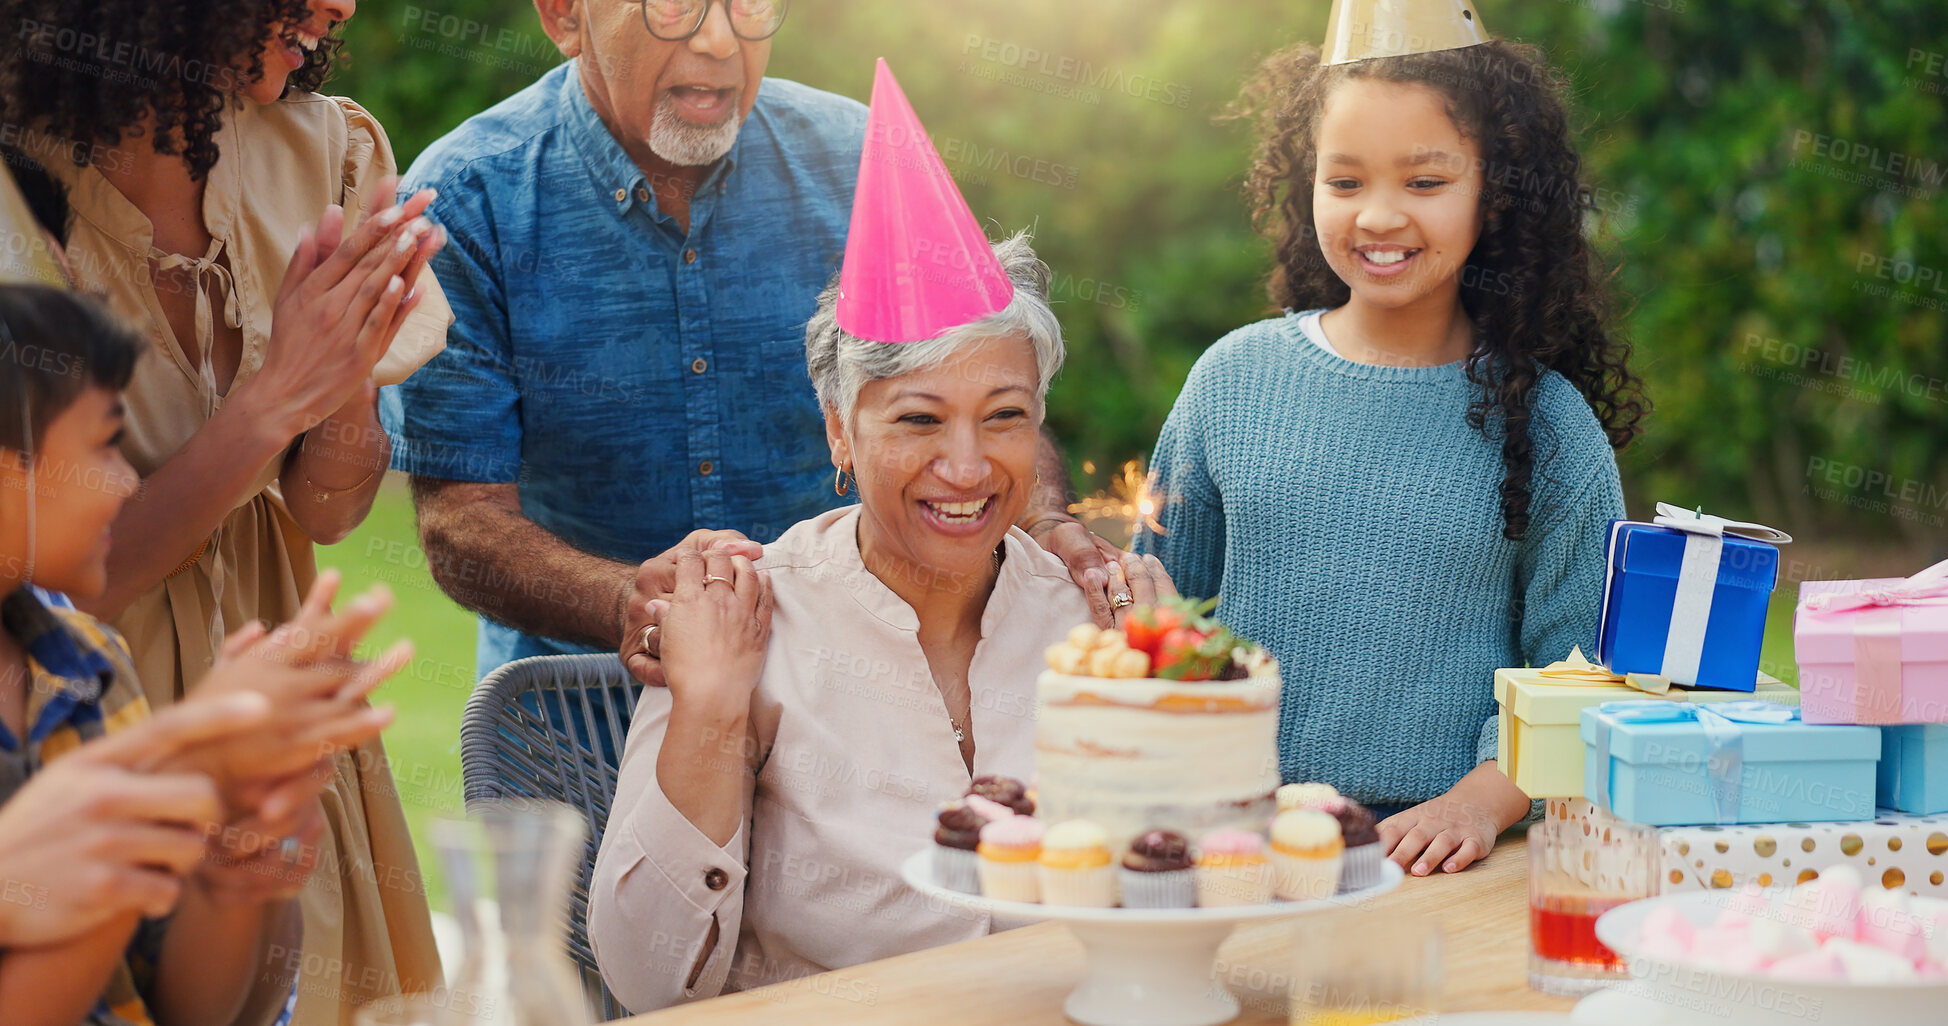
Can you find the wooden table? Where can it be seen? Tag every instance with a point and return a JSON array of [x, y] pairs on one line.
[[1022, 976]]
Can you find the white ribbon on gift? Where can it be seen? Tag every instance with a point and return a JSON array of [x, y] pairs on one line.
[[1697, 578]]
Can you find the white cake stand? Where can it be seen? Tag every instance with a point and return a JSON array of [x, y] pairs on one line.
[[1146, 966]]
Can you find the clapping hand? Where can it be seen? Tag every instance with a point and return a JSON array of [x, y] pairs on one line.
[[344, 296], [104, 830]]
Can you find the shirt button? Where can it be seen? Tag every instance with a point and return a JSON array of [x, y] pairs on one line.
[[621, 194], [698, 366], [716, 879], [706, 467], [689, 256], [642, 194]]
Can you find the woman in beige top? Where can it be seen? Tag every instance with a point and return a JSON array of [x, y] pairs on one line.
[[198, 162], [823, 701]]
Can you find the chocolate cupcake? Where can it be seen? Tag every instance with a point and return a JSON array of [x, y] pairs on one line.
[[1157, 872], [1361, 832], [956, 865], [1005, 790]]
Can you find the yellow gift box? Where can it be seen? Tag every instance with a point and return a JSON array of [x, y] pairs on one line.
[[1541, 744]]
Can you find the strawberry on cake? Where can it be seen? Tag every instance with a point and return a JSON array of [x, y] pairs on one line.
[[1168, 724]]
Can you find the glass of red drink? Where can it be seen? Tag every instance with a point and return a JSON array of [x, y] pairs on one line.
[[1577, 872]]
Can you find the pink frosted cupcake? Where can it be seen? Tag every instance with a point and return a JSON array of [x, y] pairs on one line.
[[1232, 869], [1009, 849], [957, 839]]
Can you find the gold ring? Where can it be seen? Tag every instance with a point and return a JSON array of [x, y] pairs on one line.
[[710, 579], [1121, 599], [646, 633]]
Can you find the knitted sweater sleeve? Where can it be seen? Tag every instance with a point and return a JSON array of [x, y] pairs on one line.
[[1191, 544], [1560, 574]]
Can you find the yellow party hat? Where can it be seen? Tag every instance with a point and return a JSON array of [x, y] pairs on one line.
[[1359, 30]]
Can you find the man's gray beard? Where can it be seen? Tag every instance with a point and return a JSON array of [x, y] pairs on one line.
[[685, 143]]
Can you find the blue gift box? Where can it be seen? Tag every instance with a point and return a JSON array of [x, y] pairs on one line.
[[1667, 763], [1914, 768], [1668, 611]]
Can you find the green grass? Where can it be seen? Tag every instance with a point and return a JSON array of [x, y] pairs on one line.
[[430, 693]]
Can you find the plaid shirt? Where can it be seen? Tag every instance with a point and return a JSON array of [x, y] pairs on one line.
[[81, 686]]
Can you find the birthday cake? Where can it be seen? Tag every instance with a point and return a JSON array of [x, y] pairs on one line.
[[1169, 724]]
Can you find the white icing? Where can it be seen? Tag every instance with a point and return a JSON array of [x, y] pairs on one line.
[[1129, 767]]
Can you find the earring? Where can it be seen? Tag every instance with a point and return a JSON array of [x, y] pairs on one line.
[[839, 484]]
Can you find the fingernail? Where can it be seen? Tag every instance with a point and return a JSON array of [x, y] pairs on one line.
[[389, 217], [1420, 869], [430, 193], [407, 239]]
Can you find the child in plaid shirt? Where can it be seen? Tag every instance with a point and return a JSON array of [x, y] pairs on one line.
[[147, 865]]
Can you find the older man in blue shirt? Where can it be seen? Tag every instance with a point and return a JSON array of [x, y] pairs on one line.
[[637, 240]]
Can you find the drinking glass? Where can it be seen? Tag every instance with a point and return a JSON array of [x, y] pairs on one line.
[[1577, 872], [1356, 967]]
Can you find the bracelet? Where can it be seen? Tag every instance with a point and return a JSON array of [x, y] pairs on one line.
[[320, 493], [202, 547]]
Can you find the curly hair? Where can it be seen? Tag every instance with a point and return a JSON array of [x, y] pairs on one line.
[[1532, 286], [92, 73]]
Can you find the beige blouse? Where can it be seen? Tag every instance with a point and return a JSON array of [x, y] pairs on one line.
[[854, 754], [367, 933], [279, 166]]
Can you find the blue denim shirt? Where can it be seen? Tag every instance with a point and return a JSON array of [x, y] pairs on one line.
[[637, 381]]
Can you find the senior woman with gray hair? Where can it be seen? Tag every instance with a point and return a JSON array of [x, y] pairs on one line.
[[823, 701]]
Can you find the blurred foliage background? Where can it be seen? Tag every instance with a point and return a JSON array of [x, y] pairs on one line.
[[1770, 177]]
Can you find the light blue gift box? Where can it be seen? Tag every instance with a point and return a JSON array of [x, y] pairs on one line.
[[1914, 768], [1666, 763]]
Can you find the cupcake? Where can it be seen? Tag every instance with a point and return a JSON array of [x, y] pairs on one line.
[[1361, 834], [1232, 869], [956, 863], [1157, 872], [1303, 796], [1008, 851], [1075, 866], [1306, 852], [1005, 790], [988, 810]]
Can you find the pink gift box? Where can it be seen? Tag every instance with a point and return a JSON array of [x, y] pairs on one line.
[[1874, 651]]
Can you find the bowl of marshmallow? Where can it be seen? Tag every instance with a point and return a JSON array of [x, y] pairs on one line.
[[1826, 950]]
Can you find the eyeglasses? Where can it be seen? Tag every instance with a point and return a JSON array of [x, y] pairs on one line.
[[676, 20]]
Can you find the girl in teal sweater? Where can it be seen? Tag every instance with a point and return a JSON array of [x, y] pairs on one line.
[[1405, 481]]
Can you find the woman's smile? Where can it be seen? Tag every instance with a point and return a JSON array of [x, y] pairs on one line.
[[958, 517]]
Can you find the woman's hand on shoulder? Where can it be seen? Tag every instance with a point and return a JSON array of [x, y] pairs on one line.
[[1114, 581], [716, 630]]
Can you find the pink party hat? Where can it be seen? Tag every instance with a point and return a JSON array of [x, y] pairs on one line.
[[916, 262]]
